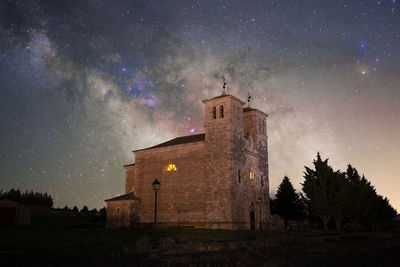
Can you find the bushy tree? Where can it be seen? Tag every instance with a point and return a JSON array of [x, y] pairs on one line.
[[319, 188], [94, 210], [365, 206], [103, 213], [343, 196], [287, 202], [340, 197], [84, 209]]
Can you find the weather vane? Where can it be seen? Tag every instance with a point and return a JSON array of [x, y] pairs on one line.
[[225, 85], [248, 99]]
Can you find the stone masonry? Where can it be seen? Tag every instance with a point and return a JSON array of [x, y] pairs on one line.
[[221, 177]]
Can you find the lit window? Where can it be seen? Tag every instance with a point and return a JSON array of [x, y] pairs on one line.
[[251, 175], [170, 167]]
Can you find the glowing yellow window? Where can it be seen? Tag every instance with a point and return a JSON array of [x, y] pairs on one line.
[[170, 167], [251, 175]]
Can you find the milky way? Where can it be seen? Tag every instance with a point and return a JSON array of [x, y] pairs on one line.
[[83, 83]]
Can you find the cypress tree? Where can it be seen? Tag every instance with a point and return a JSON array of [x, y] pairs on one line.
[[287, 202]]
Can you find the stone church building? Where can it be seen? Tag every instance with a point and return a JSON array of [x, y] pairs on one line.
[[216, 179]]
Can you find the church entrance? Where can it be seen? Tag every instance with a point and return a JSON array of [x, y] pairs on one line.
[[252, 220]]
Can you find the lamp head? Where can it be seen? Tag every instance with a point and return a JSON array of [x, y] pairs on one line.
[[156, 185]]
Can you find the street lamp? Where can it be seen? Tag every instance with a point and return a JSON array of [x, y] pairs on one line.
[[156, 186], [259, 206]]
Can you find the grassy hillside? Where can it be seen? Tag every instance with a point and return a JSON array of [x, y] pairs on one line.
[[57, 237]]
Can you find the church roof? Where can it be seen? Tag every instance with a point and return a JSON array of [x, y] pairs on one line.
[[178, 141], [129, 196], [221, 96], [247, 109]]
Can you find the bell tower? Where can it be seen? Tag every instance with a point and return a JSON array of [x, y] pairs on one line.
[[223, 143]]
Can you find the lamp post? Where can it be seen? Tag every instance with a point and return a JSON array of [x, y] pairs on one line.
[[156, 186], [259, 207]]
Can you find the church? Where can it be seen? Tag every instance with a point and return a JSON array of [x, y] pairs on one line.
[[217, 179]]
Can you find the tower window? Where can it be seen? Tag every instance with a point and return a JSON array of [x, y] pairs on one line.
[[170, 167], [221, 111], [214, 112], [239, 176]]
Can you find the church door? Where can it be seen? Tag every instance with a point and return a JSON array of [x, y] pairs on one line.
[[252, 221]]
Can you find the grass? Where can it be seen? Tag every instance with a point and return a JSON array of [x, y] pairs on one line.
[[70, 238]]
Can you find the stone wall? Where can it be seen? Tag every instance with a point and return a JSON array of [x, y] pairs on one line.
[[130, 178], [121, 213], [220, 150], [181, 198], [257, 162]]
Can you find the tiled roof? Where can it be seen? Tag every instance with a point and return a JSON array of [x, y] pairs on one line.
[[179, 140], [221, 96], [251, 109], [129, 196], [248, 109]]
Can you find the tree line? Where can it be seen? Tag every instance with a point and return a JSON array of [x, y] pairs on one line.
[[344, 197], [31, 198], [85, 209], [28, 198]]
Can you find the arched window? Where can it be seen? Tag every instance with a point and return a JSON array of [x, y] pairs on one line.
[[221, 111], [170, 167], [214, 112]]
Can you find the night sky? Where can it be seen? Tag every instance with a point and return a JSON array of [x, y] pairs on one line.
[[83, 83]]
